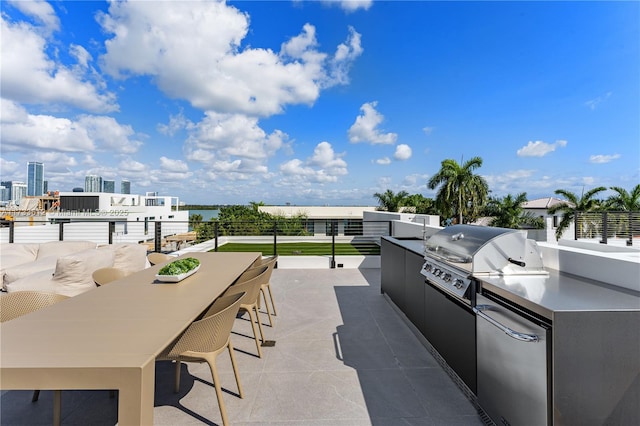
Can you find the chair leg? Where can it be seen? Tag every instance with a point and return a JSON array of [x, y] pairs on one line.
[[216, 385], [259, 323], [255, 333], [36, 395], [235, 368], [266, 305], [273, 305], [57, 408], [177, 376]]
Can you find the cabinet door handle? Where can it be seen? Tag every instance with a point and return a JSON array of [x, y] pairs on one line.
[[523, 337]]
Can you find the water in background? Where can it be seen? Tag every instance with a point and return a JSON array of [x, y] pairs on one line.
[[207, 215]]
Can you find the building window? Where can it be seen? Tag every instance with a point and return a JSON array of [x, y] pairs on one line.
[[353, 227]]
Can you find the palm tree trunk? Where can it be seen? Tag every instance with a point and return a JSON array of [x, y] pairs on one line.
[[459, 206]]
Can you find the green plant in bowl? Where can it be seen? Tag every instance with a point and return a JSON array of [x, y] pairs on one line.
[[180, 266]]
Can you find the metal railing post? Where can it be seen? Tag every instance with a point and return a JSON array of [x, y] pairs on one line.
[[61, 232], [390, 229], [275, 238], [215, 234], [575, 225], [112, 229], [605, 228], [157, 240], [333, 243], [630, 227], [11, 231]]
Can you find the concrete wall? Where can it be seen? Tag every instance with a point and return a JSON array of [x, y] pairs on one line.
[[620, 268]]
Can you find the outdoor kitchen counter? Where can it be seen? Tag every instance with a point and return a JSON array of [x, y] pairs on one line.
[[595, 350], [560, 292]]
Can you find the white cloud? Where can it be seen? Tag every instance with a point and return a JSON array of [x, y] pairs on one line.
[[41, 11], [512, 181], [540, 148], [365, 128], [22, 131], [171, 165], [346, 54], [351, 5], [236, 142], [403, 152], [428, 130], [322, 167], [9, 168], [109, 135], [193, 51], [28, 75], [383, 161], [594, 103], [601, 159]]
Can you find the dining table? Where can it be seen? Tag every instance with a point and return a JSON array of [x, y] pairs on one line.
[[109, 337]]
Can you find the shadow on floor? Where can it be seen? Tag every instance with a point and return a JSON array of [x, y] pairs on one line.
[[400, 380]]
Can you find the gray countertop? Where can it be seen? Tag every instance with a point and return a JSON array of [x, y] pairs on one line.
[[560, 292]]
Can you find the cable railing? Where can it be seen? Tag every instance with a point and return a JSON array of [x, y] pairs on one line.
[[608, 227], [296, 237]]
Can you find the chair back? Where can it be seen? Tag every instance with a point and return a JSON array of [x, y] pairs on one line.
[[264, 261], [156, 258], [104, 276], [212, 332], [249, 282], [16, 304], [269, 262]]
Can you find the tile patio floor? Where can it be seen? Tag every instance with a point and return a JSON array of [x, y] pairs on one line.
[[343, 356]]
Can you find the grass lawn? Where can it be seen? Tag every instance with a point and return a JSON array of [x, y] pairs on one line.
[[305, 249]]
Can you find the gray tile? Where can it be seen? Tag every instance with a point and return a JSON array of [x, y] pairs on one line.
[[343, 357]]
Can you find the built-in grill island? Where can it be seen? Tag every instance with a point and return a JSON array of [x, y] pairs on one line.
[[530, 345]]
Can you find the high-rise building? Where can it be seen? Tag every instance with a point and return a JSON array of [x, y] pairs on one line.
[[125, 187], [35, 178], [92, 183], [109, 186], [45, 187], [7, 185], [18, 192], [5, 195]]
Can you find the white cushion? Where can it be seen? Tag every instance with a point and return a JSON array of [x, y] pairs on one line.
[[128, 257], [12, 254], [17, 272], [73, 272], [62, 248], [39, 281]]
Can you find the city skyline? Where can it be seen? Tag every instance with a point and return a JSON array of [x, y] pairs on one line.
[[321, 102]]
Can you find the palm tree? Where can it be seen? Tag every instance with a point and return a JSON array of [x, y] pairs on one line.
[[508, 213], [623, 200], [584, 203], [421, 204], [389, 201], [461, 192]]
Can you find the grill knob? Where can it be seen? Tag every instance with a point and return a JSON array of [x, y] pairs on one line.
[[458, 283], [447, 277]]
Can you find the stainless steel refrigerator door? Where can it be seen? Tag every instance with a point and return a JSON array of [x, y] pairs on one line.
[[513, 370]]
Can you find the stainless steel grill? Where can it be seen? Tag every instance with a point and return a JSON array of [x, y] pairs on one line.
[[457, 254]]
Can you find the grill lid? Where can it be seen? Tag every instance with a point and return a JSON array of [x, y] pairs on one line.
[[486, 249]]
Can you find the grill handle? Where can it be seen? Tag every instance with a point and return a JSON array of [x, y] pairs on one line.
[[517, 262], [524, 337]]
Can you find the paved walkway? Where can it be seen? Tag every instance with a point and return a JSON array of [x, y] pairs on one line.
[[342, 356]]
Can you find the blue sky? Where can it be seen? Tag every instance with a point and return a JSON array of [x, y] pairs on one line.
[[320, 102]]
